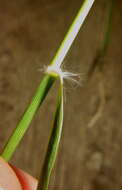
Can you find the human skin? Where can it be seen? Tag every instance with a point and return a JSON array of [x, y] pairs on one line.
[[12, 178]]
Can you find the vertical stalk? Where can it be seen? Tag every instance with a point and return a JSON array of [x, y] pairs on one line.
[[98, 61], [108, 26]]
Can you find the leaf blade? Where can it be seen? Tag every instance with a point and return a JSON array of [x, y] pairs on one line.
[[53, 145]]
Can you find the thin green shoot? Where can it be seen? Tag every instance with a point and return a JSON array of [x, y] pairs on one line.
[[99, 59], [108, 26], [53, 144]]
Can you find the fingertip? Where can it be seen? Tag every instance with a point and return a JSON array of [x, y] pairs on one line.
[[12, 178], [28, 182], [8, 178]]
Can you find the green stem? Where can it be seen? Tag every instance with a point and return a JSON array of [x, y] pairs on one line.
[[108, 27], [98, 61], [53, 145], [22, 127], [72, 32]]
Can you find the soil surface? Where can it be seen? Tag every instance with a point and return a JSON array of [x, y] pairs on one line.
[[90, 155]]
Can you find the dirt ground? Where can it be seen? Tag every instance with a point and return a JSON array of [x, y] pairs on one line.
[[90, 155]]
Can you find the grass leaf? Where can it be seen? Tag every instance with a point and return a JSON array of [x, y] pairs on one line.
[[53, 144], [47, 82]]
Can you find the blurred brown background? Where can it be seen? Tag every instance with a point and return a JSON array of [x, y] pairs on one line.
[[90, 156]]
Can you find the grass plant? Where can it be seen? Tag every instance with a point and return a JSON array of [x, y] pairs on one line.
[[53, 72]]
